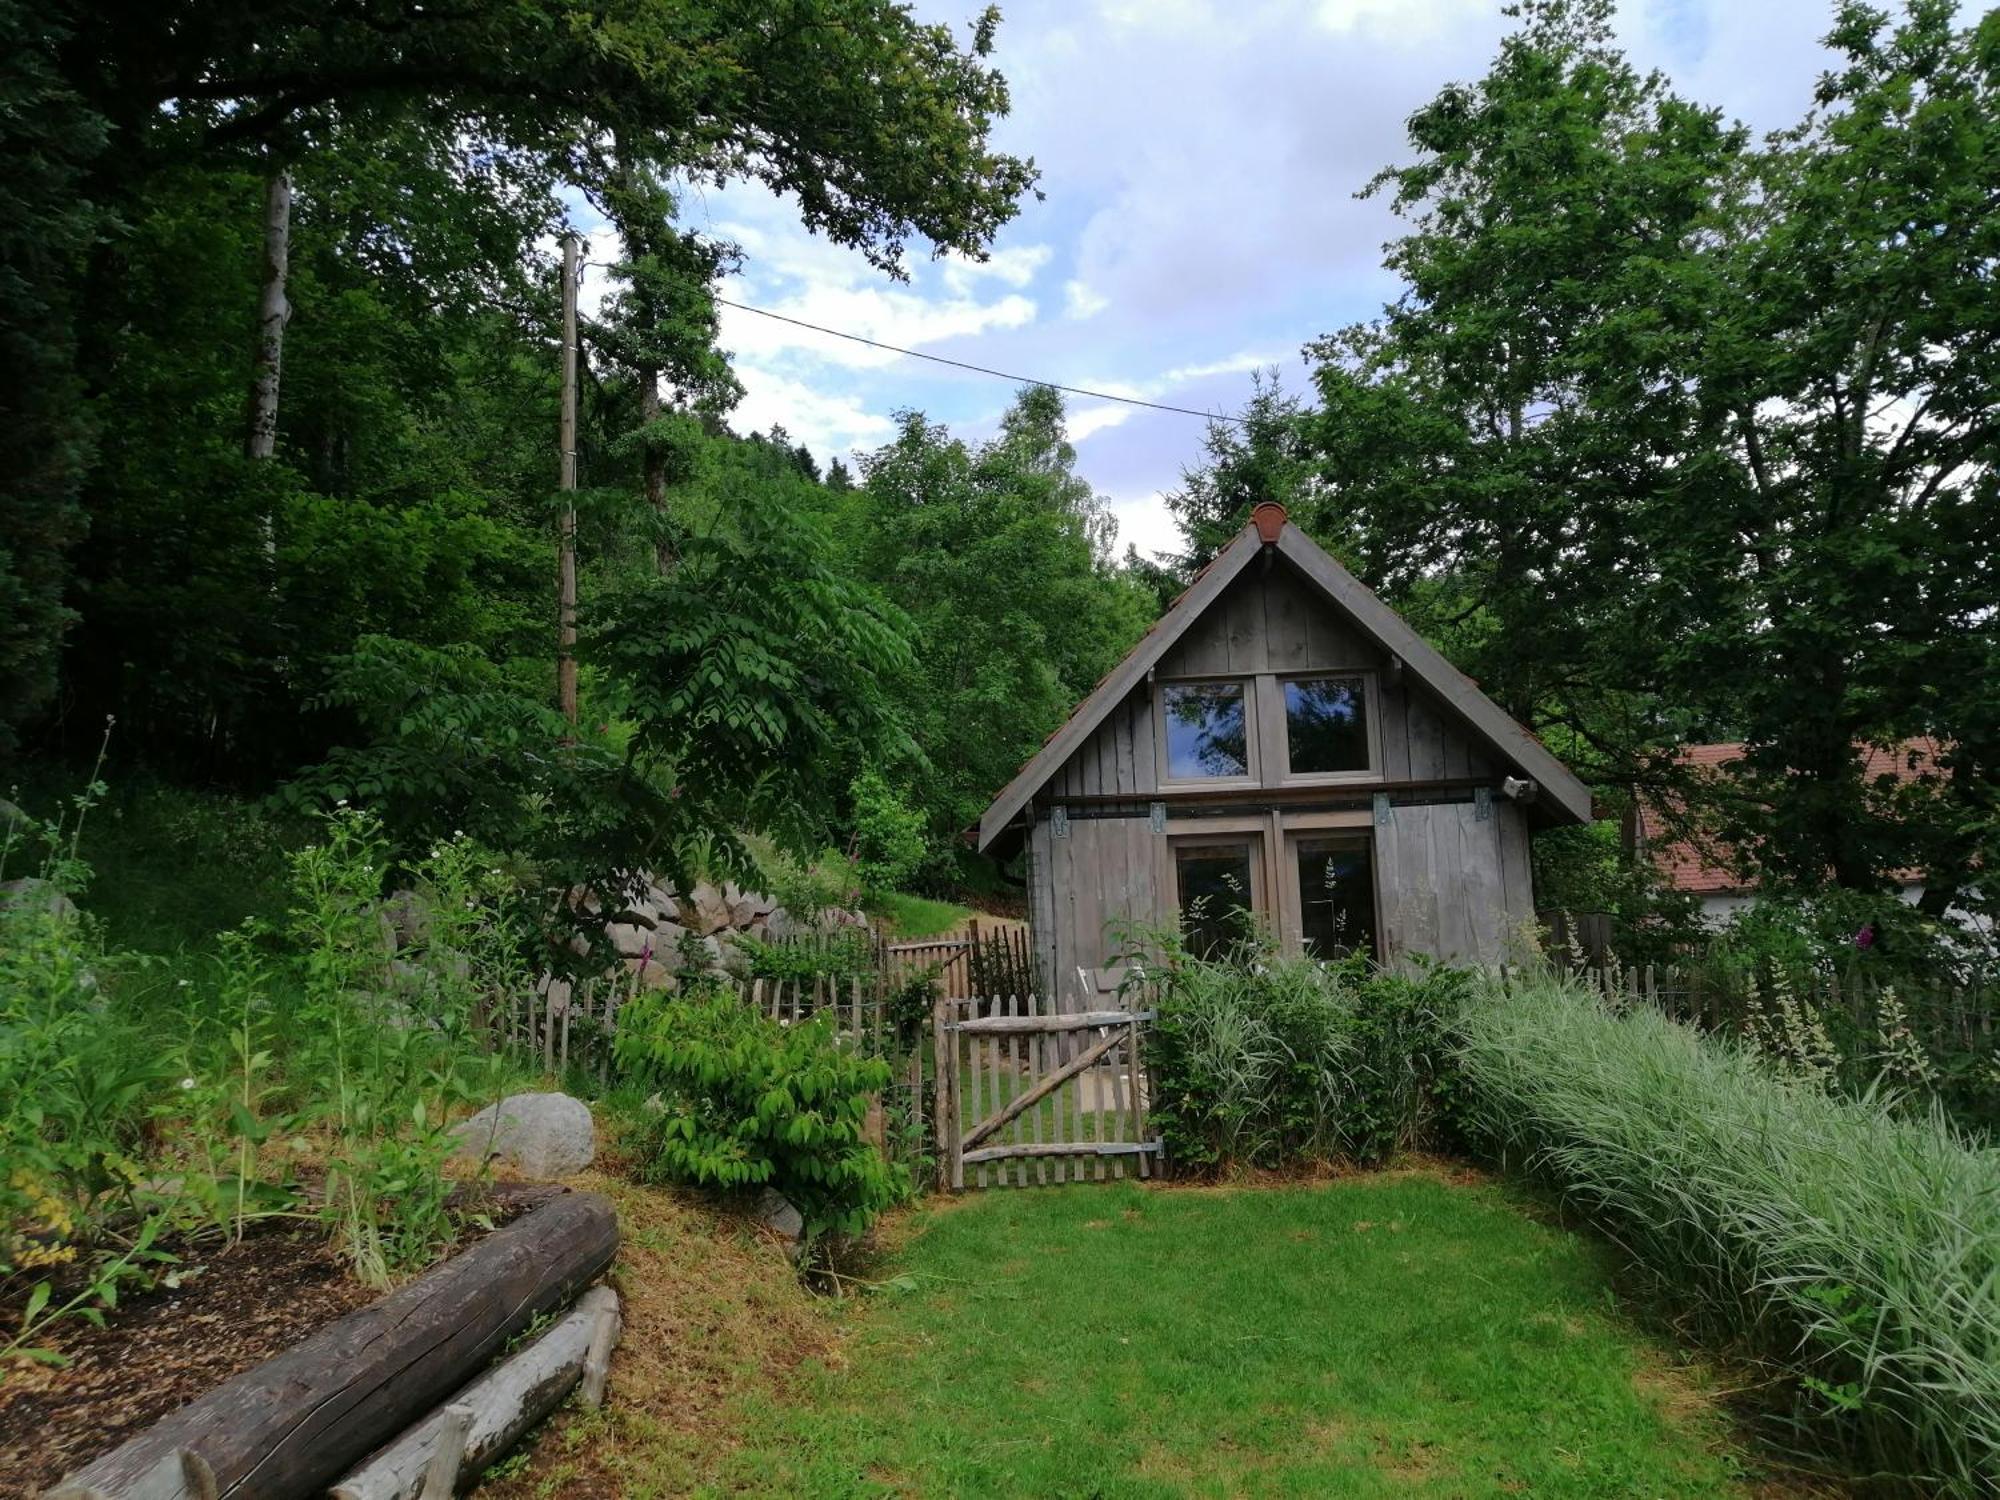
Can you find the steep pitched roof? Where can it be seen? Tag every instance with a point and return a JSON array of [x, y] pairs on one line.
[[1480, 715]]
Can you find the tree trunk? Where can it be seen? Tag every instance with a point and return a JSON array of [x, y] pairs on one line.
[[297, 1422], [566, 538], [274, 310], [656, 470]]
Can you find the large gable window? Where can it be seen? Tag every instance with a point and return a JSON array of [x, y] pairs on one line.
[[1326, 725], [1207, 730]]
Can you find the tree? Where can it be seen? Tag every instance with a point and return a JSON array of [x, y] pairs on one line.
[[995, 554], [1266, 453], [1673, 436], [875, 124]]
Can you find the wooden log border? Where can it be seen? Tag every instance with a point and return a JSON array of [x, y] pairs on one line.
[[294, 1424]]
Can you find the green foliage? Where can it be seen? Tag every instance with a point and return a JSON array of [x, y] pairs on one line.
[[751, 673], [1851, 1248], [1668, 436], [997, 556], [841, 956], [750, 1102], [1260, 1060], [888, 834]]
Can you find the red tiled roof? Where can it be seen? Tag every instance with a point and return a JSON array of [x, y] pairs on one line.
[[1706, 867]]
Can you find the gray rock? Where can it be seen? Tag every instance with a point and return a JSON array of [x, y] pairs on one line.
[[775, 1212], [406, 917], [543, 1135], [32, 891], [15, 822], [631, 939], [653, 975], [735, 962], [781, 925]]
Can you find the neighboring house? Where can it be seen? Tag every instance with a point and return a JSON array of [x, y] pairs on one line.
[[1711, 869], [1281, 741]]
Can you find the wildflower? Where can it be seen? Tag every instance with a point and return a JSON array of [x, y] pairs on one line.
[[187, 1083], [1865, 938], [184, 983]]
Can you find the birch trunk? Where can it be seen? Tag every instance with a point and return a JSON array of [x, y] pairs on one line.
[[274, 310]]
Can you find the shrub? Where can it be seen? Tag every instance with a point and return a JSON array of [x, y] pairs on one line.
[[889, 841], [749, 1102], [1262, 1060], [1858, 1249], [839, 957]]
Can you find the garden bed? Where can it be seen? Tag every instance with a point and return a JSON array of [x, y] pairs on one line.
[[161, 1350]]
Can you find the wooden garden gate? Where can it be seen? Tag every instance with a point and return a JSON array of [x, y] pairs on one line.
[[1027, 1094]]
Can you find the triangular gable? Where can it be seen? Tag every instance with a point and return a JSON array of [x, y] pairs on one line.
[[1558, 788]]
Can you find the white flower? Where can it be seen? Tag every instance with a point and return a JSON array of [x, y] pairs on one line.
[[184, 983], [187, 1083]]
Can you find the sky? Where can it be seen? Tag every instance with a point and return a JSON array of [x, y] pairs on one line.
[[1200, 162]]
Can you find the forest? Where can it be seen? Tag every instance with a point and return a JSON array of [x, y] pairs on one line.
[[1672, 435]]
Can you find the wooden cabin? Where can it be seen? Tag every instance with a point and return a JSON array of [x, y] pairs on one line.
[[1280, 743]]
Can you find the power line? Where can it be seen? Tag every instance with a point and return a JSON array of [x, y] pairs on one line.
[[959, 364]]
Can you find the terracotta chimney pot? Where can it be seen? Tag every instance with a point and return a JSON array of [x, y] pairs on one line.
[[1269, 518]]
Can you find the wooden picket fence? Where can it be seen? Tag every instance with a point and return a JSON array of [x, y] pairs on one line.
[[1029, 1094], [972, 959], [565, 1024], [1946, 1020]]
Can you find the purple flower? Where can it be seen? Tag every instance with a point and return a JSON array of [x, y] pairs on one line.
[[1865, 938]]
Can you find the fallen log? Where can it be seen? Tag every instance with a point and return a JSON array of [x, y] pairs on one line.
[[292, 1425], [503, 1404]]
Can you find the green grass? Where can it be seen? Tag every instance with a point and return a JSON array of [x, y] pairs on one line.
[[1386, 1335], [917, 916]]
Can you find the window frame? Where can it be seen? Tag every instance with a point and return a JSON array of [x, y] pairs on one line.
[[1251, 841], [1252, 730], [1279, 728], [1294, 888]]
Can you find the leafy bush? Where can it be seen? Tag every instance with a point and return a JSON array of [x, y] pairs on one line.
[[1268, 1061], [840, 956], [889, 842], [1857, 1249], [749, 1102]]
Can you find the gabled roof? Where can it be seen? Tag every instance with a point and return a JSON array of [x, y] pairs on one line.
[[1558, 788]]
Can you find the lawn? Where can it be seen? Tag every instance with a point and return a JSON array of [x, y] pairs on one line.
[[1395, 1334], [917, 917]]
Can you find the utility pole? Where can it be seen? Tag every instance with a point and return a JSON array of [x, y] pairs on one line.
[[566, 530]]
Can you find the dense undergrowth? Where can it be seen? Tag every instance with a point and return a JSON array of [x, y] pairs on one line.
[[293, 1070], [1854, 1248]]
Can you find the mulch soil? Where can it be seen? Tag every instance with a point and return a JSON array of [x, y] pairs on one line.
[[162, 1349]]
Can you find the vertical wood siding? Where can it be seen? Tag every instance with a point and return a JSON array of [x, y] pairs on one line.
[[1451, 884]]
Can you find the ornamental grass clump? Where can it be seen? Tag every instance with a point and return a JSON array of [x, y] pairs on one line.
[[1857, 1249]]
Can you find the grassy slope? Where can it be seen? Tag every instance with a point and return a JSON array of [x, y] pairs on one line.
[[1395, 1334], [917, 916]]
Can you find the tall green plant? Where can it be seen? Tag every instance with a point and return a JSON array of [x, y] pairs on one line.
[[1857, 1250], [747, 1101]]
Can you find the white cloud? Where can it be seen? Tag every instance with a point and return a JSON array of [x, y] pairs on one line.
[[1015, 266], [828, 424], [1088, 420], [1079, 301], [905, 319]]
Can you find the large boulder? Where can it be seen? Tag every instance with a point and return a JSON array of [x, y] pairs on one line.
[[631, 939], [705, 911], [31, 891], [543, 1135], [405, 918]]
